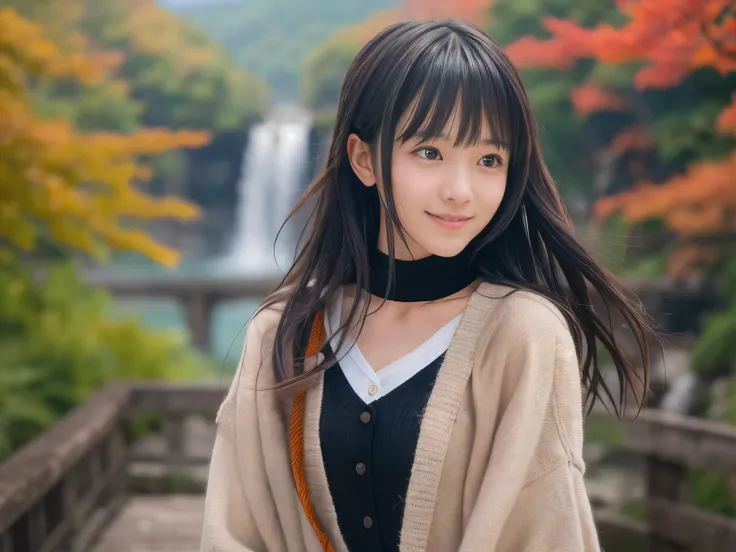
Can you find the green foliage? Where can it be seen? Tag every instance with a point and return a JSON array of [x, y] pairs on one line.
[[172, 74], [566, 138], [270, 37], [604, 429], [513, 19], [613, 75], [563, 134], [173, 69], [58, 344], [714, 357], [729, 414], [714, 354], [613, 246], [324, 69], [324, 121], [715, 351], [686, 129], [635, 509], [98, 106], [711, 491]]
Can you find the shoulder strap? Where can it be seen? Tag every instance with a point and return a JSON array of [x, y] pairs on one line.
[[296, 437]]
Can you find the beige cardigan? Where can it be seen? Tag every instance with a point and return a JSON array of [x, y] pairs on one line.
[[498, 466]]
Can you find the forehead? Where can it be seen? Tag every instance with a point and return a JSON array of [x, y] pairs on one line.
[[463, 125]]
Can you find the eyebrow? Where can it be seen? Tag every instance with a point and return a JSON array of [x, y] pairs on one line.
[[485, 141]]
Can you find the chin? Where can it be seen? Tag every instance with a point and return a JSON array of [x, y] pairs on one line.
[[446, 249]]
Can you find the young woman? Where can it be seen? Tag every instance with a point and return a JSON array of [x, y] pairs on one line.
[[419, 380]]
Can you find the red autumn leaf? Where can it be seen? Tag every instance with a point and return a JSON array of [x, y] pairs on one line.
[[590, 98], [534, 52], [632, 138], [726, 121], [696, 202], [675, 37]]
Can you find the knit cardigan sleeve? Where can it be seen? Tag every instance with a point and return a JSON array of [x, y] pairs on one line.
[[533, 484], [229, 525]]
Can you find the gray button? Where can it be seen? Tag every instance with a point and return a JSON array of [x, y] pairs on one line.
[[365, 417], [360, 468], [367, 522]]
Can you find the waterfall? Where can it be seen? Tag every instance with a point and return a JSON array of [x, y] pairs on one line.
[[273, 175]]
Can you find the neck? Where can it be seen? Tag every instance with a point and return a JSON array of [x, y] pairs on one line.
[[405, 248], [427, 279]]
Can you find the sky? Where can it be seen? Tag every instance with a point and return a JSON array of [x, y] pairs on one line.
[[188, 3]]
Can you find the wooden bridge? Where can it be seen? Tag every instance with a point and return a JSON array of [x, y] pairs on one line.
[[89, 484], [95, 483], [125, 471]]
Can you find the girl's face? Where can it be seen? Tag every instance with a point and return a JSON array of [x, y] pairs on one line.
[[445, 195]]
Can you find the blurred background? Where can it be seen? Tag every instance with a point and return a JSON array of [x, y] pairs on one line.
[[151, 149]]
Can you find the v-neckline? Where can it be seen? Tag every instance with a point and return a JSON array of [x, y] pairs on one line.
[[434, 434], [371, 385]]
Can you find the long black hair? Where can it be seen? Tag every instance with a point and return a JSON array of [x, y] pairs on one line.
[[432, 71]]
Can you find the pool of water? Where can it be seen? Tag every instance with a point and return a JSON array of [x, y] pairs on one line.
[[228, 318], [228, 322]]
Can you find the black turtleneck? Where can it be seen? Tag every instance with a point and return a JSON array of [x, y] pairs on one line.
[[368, 449], [426, 279]]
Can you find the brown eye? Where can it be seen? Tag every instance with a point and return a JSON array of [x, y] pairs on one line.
[[428, 153], [491, 161]]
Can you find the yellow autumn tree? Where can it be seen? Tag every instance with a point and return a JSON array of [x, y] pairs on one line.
[[83, 188]]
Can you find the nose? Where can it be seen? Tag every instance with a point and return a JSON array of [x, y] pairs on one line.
[[458, 186]]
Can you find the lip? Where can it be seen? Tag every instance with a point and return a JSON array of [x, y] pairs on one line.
[[449, 221]]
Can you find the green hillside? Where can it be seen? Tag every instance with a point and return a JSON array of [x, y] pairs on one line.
[[269, 38]]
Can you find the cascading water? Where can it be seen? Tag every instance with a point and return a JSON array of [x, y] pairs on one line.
[[273, 175]]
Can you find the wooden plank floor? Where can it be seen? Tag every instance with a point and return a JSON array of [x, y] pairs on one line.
[[155, 523]]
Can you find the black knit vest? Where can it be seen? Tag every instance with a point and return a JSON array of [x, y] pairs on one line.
[[368, 452]]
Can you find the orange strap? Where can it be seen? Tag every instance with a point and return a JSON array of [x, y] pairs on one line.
[[296, 437]]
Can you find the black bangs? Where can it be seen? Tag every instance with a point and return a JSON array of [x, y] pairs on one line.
[[456, 85]]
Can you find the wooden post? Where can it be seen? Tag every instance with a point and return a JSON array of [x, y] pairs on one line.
[[6, 542], [665, 480], [118, 463], [69, 506], [37, 530], [199, 319], [173, 433]]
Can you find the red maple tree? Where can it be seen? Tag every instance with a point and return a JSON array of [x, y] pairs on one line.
[[673, 38]]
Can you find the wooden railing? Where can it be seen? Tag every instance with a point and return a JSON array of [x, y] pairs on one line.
[[198, 296], [673, 446], [59, 491]]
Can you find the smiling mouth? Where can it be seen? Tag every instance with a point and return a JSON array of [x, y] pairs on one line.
[[449, 222], [450, 218]]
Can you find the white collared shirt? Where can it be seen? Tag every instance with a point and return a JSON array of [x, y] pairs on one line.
[[368, 384]]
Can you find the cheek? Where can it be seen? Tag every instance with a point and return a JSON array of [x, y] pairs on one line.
[[489, 196], [410, 184]]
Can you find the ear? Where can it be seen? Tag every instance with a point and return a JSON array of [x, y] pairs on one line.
[[361, 160]]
